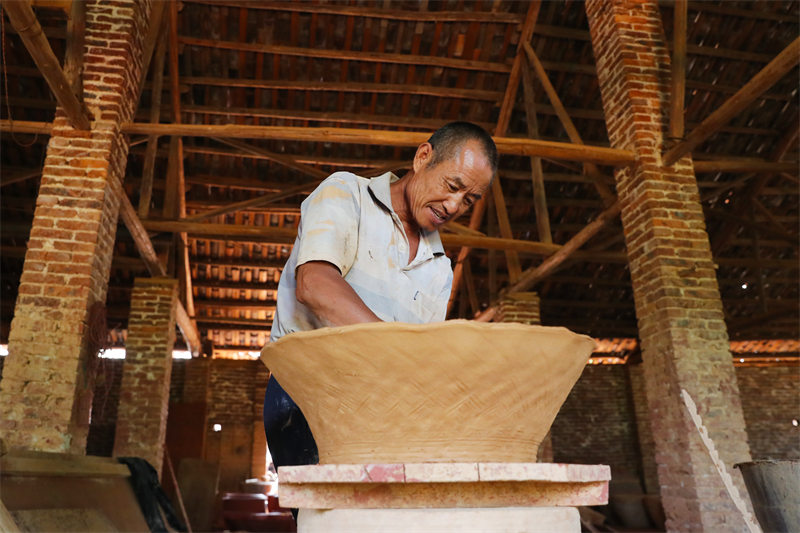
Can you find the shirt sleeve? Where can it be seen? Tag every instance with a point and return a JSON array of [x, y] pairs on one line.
[[329, 220], [444, 296]]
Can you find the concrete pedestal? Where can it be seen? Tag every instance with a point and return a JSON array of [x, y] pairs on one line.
[[486, 497]]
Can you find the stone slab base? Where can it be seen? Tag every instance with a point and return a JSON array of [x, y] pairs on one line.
[[481, 520], [443, 485]]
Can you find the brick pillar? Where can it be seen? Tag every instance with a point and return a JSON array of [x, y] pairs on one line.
[[523, 308], [646, 442], [681, 325], [144, 393], [45, 394]]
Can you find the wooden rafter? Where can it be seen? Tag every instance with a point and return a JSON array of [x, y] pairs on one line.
[[148, 254], [742, 203], [537, 175], [341, 55], [76, 39], [533, 275], [590, 169], [23, 19], [504, 116], [766, 78], [423, 15]]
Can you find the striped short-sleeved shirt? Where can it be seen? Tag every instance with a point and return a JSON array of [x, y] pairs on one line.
[[349, 222]]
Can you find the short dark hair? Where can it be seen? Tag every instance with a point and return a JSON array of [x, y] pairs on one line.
[[447, 140]]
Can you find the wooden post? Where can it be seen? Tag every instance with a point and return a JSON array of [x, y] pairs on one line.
[[24, 21]]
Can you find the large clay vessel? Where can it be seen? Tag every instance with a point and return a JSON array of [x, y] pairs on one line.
[[455, 391]]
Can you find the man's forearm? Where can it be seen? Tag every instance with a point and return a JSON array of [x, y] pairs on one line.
[[321, 288]]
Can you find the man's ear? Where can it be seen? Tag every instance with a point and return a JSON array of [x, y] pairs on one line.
[[423, 156]]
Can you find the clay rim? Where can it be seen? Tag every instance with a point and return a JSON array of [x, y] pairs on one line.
[[378, 326]]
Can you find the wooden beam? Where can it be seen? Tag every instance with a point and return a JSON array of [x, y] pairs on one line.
[[148, 253], [394, 121], [775, 70], [754, 189], [357, 87], [505, 145], [24, 21], [76, 39], [678, 86], [533, 275], [7, 177], [303, 188], [422, 15], [146, 187], [504, 116], [572, 132], [745, 165], [284, 160], [350, 55], [537, 175]]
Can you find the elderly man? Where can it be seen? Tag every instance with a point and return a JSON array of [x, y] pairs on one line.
[[368, 250]]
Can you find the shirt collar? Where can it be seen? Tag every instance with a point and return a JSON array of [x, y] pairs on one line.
[[379, 186]]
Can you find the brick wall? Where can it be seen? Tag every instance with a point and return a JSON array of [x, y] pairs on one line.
[[770, 401], [144, 393], [596, 424], [678, 307], [45, 398]]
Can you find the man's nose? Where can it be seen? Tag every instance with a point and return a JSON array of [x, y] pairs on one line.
[[451, 204]]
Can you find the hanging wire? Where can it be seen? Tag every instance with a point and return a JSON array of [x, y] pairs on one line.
[[5, 80]]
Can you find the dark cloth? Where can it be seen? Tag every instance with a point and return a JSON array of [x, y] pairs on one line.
[[150, 496], [288, 435], [289, 438]]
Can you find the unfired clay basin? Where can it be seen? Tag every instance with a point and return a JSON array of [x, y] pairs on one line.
[[455, 391]]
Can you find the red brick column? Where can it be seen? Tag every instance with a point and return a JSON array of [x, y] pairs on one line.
[[144, 393], [520, 307], [681, 326], [45, 394]]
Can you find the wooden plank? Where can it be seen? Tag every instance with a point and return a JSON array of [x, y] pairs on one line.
[[8, 177], [678, 86], [31, 463], [775, 70], [353, 55], [537, 175], [505, 145], [369, 12], [24, 21]]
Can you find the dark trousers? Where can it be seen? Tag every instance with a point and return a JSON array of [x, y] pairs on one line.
[[288, 435]]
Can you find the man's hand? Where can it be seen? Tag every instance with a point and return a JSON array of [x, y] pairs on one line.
[[321, 288]]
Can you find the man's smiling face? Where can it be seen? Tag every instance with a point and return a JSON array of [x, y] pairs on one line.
[[443, 192]]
